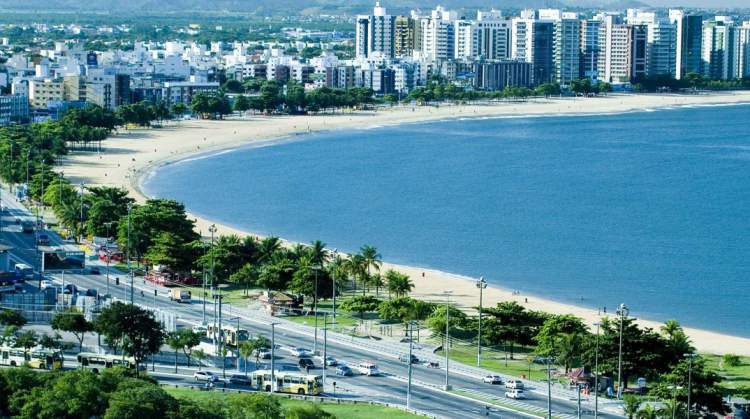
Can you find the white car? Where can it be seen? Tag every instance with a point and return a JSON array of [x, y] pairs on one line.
[[300, 352], [492, 379], [367, 368], [330, 361], [46, 284], [514, 385], [515, 394], [206, 376]]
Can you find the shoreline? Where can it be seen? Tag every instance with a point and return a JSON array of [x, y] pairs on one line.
[[132, 156]]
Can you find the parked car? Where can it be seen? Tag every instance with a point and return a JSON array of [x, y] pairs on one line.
[[94, 270], [206, 376], [515, 394], [240, 380], [492, 379], [514, 384], [344, 370], [405, 358], [368, 368], [46, 283], [43, 240], [263, 353], [305, 364], [330, 361]]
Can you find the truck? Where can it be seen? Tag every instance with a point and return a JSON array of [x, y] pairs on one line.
[[179, 295], [27, 226]]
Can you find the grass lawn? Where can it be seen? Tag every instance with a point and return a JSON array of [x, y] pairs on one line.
[[734, 377], [347, 411], [232, 293], [495, 361]]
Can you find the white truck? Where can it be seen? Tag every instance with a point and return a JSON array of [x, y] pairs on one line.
[[179, 295]]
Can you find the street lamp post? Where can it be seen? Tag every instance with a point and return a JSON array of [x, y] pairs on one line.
[[549, 388], [333, 280], [130, 268], [273, 357], [690, 357], [315, 309], [212, 230], [408, 382], [596, 372], [623, 312], [325, 347], [674, 389], [446, 346], [481, 284]]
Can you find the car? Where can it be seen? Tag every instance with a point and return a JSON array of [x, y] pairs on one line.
[[46, 283], [43, 240], [240, 380], [305, 364], [514, 385], [300, 352], [262, 353], [206, 376], [515, 394], [200, 329], [94, 271], [330, 361], [344, 370], [431, 364], [405, 358], [492, 379], [368, 368]]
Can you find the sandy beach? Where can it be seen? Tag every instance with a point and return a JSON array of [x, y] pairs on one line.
[[128, 156]]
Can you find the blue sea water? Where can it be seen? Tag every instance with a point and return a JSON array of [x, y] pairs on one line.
[[646, 208]]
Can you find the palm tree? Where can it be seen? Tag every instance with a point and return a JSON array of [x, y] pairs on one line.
[[318, 253], [199, 355], [357, 268], [648, 412], [246, 349], [376, 280], [372, 258], [174, 341], [267, 248], [398, 283], [568, 348], [631, 406]]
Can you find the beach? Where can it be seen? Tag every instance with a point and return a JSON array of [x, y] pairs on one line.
[[129, 156]]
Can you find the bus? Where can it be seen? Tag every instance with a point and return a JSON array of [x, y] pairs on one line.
[[289, 382], [39, 358], [97, 362], [232, 336]]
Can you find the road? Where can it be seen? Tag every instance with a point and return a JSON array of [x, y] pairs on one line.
[[427, 394]]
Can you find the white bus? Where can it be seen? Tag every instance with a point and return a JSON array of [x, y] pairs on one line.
[[97, 362], [288, 382], [40, 358], [232, 336]]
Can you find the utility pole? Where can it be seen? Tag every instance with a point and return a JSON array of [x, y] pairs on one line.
[[481, 284], [333, 279], [130, 268], [690, 357], [596, 373], [212, 230], [549, 388], [315, 309], [446, 349], [273, 357], [408, 382], [325, 347], [622, 311], [578, 386]]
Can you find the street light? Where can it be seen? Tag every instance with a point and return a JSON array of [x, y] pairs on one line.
[[548, 360], [596, 372], [408, 382], [690, 357], [130, 268], [447, 386], [481, 284], [333, 280], [316, 268], [623, 312], [674, 389], [212, 230], [273, 357], [325, 346]]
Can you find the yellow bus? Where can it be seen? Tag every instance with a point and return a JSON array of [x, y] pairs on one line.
[[40, 358], [97, 362], [288, 382], [232, 336]]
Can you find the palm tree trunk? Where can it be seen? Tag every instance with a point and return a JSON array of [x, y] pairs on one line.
[[175, 361]]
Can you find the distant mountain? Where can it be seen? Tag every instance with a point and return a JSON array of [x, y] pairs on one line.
[[340, 6]]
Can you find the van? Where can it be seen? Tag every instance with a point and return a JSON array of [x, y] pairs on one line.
[[24, 270], [514, 385], [179, 295], [368, 368]]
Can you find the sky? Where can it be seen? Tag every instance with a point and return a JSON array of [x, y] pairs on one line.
[[700, 3]]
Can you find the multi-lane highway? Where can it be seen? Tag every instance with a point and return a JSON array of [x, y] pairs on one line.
[[469, 398]]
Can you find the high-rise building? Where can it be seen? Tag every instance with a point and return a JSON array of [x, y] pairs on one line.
[[721, 49], [465, 44], [375, 33], [542, 51], [623, 50], [689, 34], [589, 43], [438, 34], [492, 36], [404, 36], [661, 38], [567, 63], [744, 56]]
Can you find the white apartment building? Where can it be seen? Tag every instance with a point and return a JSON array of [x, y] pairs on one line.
[[661, 38], [567, 49], [375, 33], [492, 36], [438, 34], [42, 91], [721, 49]]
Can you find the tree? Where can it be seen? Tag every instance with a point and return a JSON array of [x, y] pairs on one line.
[[706, 395], [10, 317], [398, 284], [371, 258], [51, 341], [241, 104], [631, 405], [553, 328], [246, 276], [457, 321], [143, 401], [360, 304], [74, 394], [510, 323], [73, 322], [134, 328], [254, 346], [179, 109], [255, 406], [26, 340], [405, 309], [174, 341], [308, 412], [199, 355]]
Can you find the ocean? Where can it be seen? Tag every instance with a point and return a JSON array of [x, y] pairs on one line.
[[644, 208]]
